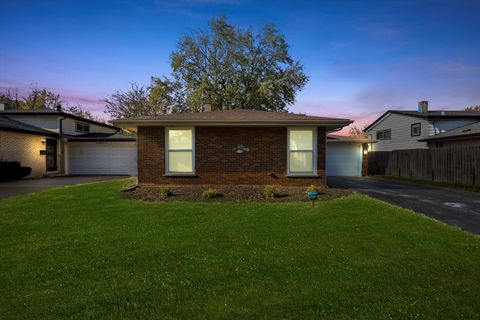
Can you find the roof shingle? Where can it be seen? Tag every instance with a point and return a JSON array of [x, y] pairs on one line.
[[236, 117], [462, 132], [8, 124], [428, 115]]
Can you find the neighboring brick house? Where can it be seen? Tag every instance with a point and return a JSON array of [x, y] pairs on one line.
[[22, 143], [232, 147], [53, 142], [461, 137]]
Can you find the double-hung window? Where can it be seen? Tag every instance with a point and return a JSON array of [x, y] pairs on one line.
[[302, 151], [384, 134], [82, 127], [180, 152], [416, 129]]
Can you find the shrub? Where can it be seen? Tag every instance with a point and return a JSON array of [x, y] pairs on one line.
[[210, 194], [312, 188], [166, 192], [10, 170], [271, 192]]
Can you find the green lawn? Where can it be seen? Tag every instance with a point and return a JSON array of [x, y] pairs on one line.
[[85, 252]]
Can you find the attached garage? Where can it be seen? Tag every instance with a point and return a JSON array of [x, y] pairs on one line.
[[101, 157], [344, 156]]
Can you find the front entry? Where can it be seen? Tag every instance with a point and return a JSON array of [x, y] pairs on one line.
[[51, 154]]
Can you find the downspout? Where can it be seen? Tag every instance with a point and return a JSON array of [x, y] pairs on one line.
[[62, 150]]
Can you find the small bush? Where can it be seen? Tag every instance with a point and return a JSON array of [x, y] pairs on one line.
[[12, 170], [210, 194], [271, 192], [166, 192], [312, 188]]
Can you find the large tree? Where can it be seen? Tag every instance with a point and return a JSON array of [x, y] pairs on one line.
[[225, 66]]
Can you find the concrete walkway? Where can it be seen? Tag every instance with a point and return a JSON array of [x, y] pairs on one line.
[[455, 207], [12, 188]]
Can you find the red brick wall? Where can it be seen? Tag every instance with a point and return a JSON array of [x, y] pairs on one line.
[[217, 163]]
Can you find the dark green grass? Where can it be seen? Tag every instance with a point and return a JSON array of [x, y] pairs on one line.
[[84, 252]]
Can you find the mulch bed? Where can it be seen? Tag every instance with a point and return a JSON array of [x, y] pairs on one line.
[[228, 193]]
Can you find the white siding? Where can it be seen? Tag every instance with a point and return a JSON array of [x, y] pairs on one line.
[[42, 121], [401, 138], [113, 157], [68, 126]]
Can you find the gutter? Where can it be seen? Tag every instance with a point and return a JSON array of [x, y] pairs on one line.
[[60, 127], [343, 122], [449, 138], [38, 133]]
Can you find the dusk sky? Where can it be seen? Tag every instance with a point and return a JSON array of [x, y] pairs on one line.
[[362, 57]]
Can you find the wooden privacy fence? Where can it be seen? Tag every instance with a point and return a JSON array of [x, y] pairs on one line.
[[377, 162], [456, 165]]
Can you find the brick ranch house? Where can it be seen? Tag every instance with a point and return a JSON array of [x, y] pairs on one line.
[[232, 147]]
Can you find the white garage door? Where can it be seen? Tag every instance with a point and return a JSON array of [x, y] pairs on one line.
[[114, 157], [344, 159]]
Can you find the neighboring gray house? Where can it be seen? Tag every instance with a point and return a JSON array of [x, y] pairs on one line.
[[399, 129]]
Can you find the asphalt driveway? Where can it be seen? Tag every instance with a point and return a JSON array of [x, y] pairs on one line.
[[12, 188], [455, 207]]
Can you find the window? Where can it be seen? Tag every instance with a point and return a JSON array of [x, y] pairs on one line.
[[301, 151], [82, 127], [416, 129], [384, 134], [180, 151]]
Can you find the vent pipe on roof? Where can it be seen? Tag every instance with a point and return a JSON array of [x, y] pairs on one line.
[[423, 106], [207, 108]]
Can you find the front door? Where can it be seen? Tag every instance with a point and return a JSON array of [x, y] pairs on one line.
[[51, 154]]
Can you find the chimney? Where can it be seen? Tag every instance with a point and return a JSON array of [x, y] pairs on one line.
[[59, 107], [423, 106], [207, 108]]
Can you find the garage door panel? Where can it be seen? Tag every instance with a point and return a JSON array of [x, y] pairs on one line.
[[344, 159], [102, 158]]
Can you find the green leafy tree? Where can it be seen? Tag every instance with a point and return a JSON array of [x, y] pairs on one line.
[[225, 66], [473, 109], [78, 111], [40, 99], [10, 97], [130, 104]]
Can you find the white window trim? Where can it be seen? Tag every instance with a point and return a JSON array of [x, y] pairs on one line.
[[167, 151], [314, 150]]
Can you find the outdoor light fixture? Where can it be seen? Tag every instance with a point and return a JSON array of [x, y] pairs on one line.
[[366, 148]]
